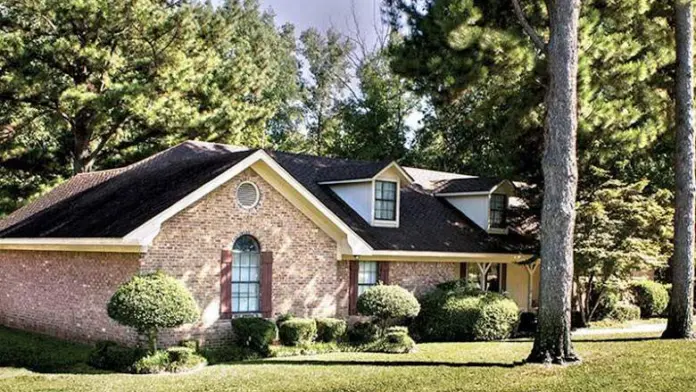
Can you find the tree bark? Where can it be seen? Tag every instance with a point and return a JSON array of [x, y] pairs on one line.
[[552, 341], [679, 323]]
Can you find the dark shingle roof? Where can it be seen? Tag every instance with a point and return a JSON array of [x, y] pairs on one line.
[[474, 184], [113, 203], [426, 223]]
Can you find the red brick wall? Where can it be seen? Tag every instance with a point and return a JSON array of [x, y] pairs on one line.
[[307, 278], [421, 277], [64, 294]]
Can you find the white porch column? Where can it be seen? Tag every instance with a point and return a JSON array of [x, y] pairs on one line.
[[531, 268], [483, 268]]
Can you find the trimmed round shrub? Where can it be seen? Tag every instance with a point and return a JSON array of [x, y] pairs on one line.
[[297, 331], [397, 330], [330, 329], [281, 318], [459, 316], [388, 304], [112, 356], [151, 302], [624, 311], [362, 333], [254, 333], [651, 297], [498, 318], [153, 363], [397, 343]]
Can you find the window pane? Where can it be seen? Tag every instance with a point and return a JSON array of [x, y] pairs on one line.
[[246, 243], [367, 272], [246, 276]]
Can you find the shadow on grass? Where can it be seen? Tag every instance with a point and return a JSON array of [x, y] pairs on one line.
[[610, 340], [310, 362]]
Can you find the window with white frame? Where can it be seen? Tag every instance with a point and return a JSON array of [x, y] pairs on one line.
[[368, 275], [246, 275], [385, 200], [497, 211]]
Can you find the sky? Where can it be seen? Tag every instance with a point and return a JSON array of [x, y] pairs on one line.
[[324, 14]]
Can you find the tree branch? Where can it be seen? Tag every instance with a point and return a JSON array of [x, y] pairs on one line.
[[536, 39]]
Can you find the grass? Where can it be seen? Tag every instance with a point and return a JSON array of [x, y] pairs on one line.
[[613, 363], [609, 323]]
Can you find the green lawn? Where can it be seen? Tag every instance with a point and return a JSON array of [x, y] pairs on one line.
[[610, 363]]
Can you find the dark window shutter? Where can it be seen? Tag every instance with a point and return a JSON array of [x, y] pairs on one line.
[[463, 271], [267, 284], [226, 284], [384, 272], [503, 277], [353, 287]]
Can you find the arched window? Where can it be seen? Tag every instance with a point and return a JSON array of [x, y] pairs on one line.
[[246, 275]]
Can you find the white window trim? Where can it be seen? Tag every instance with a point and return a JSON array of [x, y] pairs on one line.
[[496, 230], [385, 223], [256, 201]]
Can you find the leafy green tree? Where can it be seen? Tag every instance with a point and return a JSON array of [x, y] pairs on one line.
[[374, 122], [486, 86], [620, 229], [92, 84], [328, 66]]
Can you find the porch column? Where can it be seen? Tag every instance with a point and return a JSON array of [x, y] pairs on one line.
[[531, 268], [483, 268]]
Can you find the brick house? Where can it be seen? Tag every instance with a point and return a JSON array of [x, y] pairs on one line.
[[252, 231]]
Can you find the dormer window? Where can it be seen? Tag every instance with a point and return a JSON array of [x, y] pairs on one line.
[[498, 211], [385, 200]]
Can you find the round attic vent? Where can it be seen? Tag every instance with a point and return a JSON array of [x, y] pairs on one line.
[[247, 195]]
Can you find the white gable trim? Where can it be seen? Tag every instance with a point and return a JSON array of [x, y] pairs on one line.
[[404, 175], [147, 232]]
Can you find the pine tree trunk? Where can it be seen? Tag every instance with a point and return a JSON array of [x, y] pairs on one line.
[[679, 323], [552, 341]]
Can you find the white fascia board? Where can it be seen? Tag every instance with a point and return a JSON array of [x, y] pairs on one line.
[[462, 256], [454, 194], [147, 232], [88, 244], [345, 181]]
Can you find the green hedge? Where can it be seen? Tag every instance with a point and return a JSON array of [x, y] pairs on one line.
[[651, 297], [112, 356], [362, 333], [465, 315], [297, 331], [624, 311], [330, 329], [254, 333]]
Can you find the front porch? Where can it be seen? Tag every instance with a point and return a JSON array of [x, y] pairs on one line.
[[520, 282]]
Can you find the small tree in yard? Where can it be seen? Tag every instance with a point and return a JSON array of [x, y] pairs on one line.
[[151, 302], [620, 229], [387, 304]]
